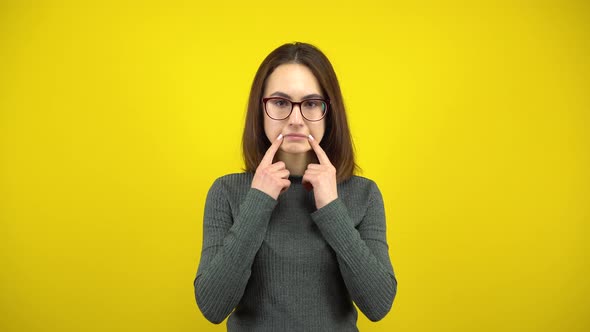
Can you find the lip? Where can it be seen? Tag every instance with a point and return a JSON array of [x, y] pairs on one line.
[[295, 136]]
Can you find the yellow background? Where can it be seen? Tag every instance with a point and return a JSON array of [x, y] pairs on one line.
[[472, 117]]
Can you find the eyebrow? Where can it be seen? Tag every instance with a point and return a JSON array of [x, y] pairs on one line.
[[310, 96]]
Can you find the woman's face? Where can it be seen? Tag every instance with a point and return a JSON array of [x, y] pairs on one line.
[[296, 83]]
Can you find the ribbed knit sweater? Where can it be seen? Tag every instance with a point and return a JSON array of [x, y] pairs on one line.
[[283, 265]]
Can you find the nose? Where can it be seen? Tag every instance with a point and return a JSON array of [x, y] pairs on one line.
[[296, 118]]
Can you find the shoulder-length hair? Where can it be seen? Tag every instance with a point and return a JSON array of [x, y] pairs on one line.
[[337, 141]]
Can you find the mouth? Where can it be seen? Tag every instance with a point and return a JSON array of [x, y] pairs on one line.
[[295, 137]]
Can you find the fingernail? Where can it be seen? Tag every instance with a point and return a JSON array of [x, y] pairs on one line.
[[311, 137], [280, 136]]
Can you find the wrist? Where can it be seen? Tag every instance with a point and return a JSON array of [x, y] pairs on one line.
[[320, 203]]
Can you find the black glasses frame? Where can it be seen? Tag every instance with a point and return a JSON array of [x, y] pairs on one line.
[[293, 103]]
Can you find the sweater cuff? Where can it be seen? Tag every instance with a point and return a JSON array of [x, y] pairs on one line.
[[256, 209], [335, 223], [260, 199]]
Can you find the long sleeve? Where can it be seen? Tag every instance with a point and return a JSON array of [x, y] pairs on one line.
[[231, 240], [362, 253]]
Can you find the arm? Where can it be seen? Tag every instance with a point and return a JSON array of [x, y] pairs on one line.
[[229, 248], [362, 253]]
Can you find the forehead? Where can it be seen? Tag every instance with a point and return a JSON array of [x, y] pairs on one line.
[[293, 79]]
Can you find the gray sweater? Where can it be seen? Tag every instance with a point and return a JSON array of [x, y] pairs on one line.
[[283, 265]]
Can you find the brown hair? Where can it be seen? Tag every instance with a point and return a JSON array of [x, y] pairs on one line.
[[337, 141]]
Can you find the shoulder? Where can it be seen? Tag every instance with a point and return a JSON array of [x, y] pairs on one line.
[[234, 178], [232, 184], [358, 190], [359, 184], [362, 197]]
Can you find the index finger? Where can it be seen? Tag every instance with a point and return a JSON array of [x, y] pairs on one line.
[[322, 156], [272, 150]]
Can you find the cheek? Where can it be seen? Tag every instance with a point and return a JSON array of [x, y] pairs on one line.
[[318, 130], [271, 129]]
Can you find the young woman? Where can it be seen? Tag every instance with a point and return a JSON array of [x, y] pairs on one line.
[[291, 243]]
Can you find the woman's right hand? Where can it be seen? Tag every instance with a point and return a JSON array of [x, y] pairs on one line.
[[270, 178]]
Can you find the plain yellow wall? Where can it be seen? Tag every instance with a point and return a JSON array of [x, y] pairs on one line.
[[115, 118]]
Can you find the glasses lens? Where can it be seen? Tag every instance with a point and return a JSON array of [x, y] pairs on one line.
[[278, 108], [313, 109]]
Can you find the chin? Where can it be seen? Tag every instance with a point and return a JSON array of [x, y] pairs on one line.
[[296, 149]]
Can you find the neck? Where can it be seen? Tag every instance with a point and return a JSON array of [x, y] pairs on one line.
[[296, 163]]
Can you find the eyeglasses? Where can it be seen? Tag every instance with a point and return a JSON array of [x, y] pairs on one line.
[[278, 108]]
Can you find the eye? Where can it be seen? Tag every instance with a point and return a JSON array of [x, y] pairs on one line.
[[310, 104], [279, 102]]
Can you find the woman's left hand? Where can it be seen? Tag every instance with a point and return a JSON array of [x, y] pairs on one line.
[[322, 177]]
